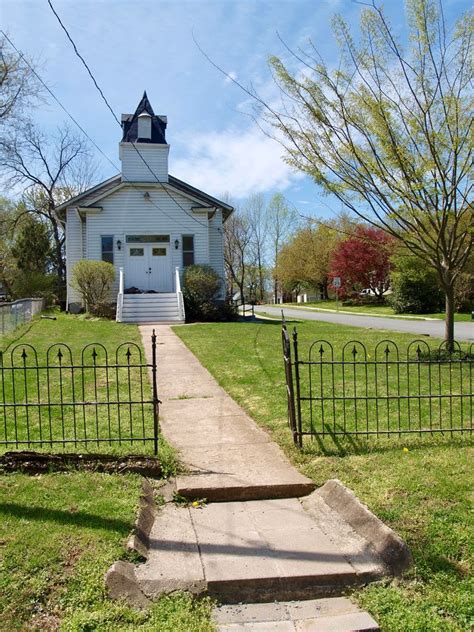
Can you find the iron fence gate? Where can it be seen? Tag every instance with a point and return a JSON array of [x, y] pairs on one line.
[[102, 399], [384, 391]]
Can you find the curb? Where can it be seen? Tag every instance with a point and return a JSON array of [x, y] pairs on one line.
[[385, 542], [139, 541], [122, 583]]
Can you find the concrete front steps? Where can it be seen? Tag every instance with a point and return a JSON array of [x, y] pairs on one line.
[[269, 550], [151, 308], [314, 615]]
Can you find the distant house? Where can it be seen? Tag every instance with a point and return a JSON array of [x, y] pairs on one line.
[[147, 223]]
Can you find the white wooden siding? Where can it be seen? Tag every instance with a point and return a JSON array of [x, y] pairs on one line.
[[127, 212], [136, 158], [216, 258], [74, 250]]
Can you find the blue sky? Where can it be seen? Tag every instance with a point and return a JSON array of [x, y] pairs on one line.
[[136, 45]]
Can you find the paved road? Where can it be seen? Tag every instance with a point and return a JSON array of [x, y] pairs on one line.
[[434, 328]]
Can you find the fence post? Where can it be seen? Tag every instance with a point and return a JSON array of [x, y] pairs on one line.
[[298, 398], [289, 381], [156, 401]]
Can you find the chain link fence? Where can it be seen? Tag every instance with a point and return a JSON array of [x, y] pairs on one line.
[[18, 312]]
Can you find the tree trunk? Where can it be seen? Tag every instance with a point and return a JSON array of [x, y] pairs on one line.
[[260, 277], [449, 319]]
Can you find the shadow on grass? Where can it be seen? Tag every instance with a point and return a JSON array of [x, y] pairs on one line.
[[332, 444], [71, 518]]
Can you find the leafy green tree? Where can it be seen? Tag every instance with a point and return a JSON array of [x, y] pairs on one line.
[[389, 131], [305, 260], [415, 286], [31, 247]]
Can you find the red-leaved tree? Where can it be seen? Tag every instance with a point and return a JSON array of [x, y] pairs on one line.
[[363, 261]]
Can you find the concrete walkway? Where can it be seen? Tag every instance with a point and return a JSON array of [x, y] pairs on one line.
[[227, 455], [463, 331], [270, 537]]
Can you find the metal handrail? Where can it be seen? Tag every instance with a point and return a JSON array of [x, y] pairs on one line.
[[179, 296], [118, 316]]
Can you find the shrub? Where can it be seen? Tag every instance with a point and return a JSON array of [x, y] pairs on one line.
[[415, 287], [202, 282], [33, 285], [93, 280]]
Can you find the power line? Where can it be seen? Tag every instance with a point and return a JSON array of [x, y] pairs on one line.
[[79, 126], [117, 120], [83, 61]]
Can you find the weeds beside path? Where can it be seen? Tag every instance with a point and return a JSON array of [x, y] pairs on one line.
[[423, 492]]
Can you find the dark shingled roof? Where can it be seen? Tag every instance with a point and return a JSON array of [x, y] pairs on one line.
[[130, 124]]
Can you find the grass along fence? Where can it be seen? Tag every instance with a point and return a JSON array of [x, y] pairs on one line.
[[382, 391], [93, 399]]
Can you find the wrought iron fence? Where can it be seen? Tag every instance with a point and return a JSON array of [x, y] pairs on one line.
[[18, 312], [385, 391], [93, 399]]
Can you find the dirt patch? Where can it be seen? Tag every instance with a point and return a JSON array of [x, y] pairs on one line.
[[36, 462]]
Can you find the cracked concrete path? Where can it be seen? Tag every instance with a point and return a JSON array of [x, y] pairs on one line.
[[228, 456], [273, 538], [261, 550]]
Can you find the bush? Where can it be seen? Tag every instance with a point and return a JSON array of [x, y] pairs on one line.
[[207, 310], [33, 285], [202, 282], [93, 280], [415, 287]]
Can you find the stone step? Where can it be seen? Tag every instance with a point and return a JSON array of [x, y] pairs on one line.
[[148, 301], [141, 297], [143, 311], [255, 551], [338, 614], [152, 320]]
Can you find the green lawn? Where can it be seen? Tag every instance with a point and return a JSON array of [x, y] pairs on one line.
[[423, 492], [60, 532], [372, 310], [75, 340]]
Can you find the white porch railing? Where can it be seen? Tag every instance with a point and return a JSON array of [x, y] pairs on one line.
[[179, 296], [118, 316]]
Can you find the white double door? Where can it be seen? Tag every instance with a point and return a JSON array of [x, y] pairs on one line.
[[149, 267]]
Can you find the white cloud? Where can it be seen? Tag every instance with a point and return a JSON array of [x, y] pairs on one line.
[[237, 162], [231, 76]]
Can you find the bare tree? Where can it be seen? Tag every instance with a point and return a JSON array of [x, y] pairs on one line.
[[50, 170], [389, 132], [237, 240], [282, 221], [19, 86], [257, 219]]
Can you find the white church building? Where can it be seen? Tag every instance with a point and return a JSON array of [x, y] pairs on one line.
[[147, 223]]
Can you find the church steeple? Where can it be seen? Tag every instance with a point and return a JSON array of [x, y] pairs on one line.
[[143, 149], [144, 120]]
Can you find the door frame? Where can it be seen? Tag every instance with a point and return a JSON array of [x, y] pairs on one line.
[[148, 259]]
